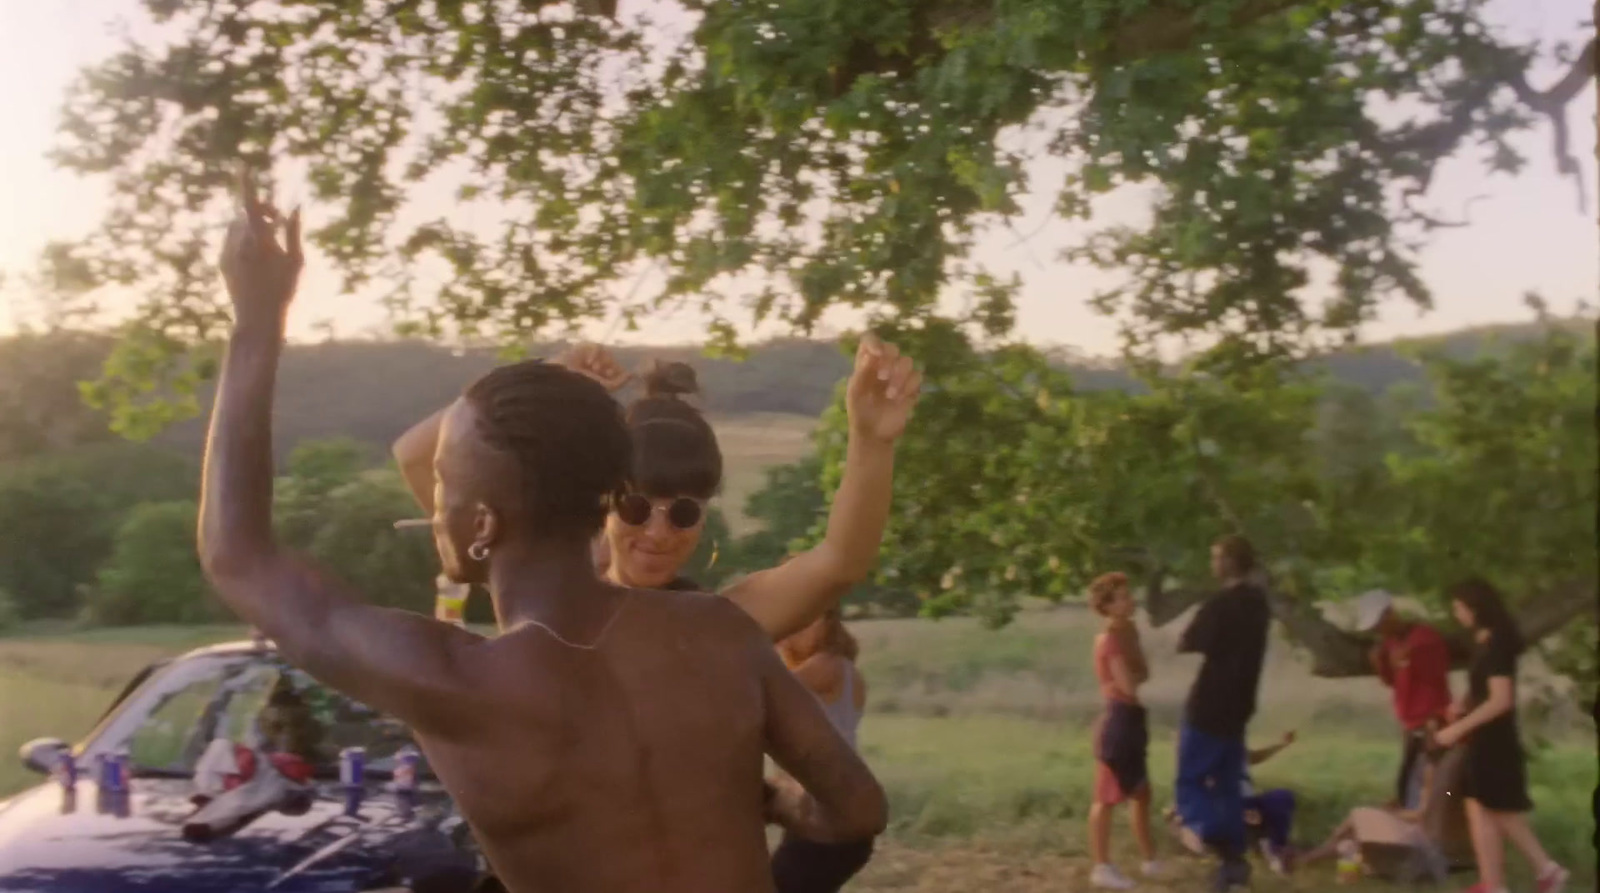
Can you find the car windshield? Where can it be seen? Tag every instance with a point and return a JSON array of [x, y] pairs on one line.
[[251, 699]]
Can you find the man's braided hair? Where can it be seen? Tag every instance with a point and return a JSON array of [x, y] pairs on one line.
[[568, 437]]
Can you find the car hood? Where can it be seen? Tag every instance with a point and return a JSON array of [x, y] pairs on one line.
[[77, 842]]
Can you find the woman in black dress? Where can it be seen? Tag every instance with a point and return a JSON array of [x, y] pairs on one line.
[[1494, 779]]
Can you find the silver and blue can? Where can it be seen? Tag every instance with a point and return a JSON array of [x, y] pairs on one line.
[[65, 770], [114, 771], [407, 764], [353, 767]]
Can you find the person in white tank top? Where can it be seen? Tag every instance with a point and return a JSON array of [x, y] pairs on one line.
[[823, 657]]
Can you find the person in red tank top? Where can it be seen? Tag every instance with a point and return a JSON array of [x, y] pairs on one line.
[[1413, 660], [1121, 735]]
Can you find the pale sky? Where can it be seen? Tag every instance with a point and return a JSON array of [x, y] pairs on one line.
[[1526, 232]]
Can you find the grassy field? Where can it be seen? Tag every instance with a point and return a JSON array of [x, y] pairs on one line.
[[980, 738]]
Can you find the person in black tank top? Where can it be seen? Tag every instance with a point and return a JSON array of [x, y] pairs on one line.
[[1495, 777]]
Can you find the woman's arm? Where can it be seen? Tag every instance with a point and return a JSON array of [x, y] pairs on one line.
[[785, 599], [414, 452], [1501, 700], [415, 449]]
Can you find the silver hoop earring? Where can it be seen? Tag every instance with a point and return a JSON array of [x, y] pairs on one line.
[[478, 552]]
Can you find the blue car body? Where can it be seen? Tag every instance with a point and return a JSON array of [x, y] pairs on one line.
[[79, 839]]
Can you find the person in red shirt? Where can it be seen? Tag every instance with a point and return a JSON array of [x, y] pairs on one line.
[[1413, 660]]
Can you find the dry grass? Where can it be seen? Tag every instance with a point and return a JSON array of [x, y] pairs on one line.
[[978, 736], [751, 444]]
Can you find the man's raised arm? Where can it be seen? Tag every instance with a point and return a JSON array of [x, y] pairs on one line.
[[394, 661]]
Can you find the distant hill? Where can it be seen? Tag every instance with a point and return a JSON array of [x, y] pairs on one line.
[[373, 390]]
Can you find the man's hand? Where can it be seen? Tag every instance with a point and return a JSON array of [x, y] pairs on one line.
[[260, 274], [882, 390], [598, 363], [1288, 737]]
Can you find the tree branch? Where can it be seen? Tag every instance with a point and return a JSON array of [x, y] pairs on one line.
[[1163, 605], [1337, 653], [1552, 103], [1168, 29]]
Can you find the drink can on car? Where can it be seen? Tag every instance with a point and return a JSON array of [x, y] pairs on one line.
[[352, 766], [65, 770], [114, 771], [407, 762]]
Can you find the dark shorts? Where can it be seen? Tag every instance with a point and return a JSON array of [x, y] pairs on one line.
[[1123, 748]]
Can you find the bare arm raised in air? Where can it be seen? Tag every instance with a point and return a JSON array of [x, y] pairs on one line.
[[881, 394], [394, 661]]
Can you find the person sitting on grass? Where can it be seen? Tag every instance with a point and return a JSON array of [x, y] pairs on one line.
[[1269, 815], [1122, 734], [1423, 839]]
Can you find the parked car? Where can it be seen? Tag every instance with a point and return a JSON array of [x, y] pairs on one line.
[[317, 838]]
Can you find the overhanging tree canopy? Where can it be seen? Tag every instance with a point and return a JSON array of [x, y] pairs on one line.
[[1015, 483], [787, 156]]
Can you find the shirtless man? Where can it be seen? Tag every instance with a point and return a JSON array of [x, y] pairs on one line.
[[609, 739]]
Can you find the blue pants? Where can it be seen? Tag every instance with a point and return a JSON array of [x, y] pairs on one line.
[[1209, 789], [1276, 809]]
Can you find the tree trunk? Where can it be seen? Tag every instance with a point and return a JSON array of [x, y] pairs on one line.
[[1338, 653]]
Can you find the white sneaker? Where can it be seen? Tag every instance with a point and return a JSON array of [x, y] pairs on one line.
[[1109, 878], [1274, 859], [1190, 840], [1151, 869], [1553, 879]]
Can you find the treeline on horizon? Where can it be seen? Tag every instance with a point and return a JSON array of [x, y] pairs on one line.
[[100, 531], [372, 390]]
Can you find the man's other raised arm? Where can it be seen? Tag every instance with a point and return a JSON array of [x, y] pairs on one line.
[[394, 661], [1203, 632]]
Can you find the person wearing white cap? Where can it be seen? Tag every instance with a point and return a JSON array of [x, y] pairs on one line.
[[1412, 659]]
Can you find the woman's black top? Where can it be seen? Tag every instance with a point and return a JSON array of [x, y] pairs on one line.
[[1495, 657]]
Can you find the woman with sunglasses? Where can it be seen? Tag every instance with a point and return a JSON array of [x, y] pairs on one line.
[[654, 529]]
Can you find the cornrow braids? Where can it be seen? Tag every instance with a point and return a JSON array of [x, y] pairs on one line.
[[568, 437]]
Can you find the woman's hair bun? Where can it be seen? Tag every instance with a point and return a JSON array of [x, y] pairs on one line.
[[670, 379]]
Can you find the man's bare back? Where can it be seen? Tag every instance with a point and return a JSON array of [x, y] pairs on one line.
[[610, 739], [640, 766]]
